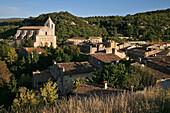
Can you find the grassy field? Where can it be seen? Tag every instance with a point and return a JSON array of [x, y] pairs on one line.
[[154, 100]]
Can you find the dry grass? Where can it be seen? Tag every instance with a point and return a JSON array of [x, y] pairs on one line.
[[154, 100]]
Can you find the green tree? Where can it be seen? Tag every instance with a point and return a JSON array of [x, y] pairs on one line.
[[13, 84], [78, 82], [11, 55], [4, 48], [49, 92], [27, 43], [35, 56], [26, 98], [114, 74], [129, 30], [5, 74], [29, 57], [115, 32]]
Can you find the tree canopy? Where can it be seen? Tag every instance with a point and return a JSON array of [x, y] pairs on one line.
[[122, 77], [5, 74]]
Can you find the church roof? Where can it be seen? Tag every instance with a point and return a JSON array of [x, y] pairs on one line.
[[49, 21], [31, 27]]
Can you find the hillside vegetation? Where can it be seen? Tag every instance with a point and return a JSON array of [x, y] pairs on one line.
[[153, 26]]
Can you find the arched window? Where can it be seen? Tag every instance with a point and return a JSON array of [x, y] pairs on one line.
[[45, 33]]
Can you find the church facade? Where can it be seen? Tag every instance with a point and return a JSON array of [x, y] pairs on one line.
[[40, 35]]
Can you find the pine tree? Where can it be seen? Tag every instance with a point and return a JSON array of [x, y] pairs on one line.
[[5, 74], [13, 85], [29, 57], [11, 55], [35, 56]]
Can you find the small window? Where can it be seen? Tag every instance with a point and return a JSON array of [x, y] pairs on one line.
[[51, 25], [45, 33]]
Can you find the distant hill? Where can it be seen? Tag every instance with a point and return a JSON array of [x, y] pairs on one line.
[[6, 19], [152, 25]]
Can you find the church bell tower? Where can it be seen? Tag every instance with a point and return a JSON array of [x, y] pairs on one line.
[[49, 23]]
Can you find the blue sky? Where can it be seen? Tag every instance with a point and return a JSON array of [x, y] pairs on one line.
[[81, 8]]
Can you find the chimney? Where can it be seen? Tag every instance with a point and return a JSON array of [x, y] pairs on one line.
[[37, 71], [54, 62], [105, 84]]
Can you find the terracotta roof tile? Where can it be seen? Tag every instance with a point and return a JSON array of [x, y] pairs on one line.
[[88, 89], [30, 49], [106, 57], [31, 27]]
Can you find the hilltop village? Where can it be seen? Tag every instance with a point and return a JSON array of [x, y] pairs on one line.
[[156, 57], [82, 65]]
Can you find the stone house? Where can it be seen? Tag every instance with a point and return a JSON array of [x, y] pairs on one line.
[[98, 59], [24, 52], [41, 77], [76, 40], [162, 45], [65, 73], [160, 63], [40, 35], [95, 39], [106, 47], [139, 53]]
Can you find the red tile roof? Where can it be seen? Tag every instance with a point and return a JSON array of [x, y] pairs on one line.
[[106, 57], [31, 27], [88, 89], [30, 49]]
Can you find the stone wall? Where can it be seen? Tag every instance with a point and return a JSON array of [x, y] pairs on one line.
[[93, 50], [95, 61], [67, 83]]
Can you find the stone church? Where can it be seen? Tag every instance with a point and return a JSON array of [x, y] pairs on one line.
[[40, 35]]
